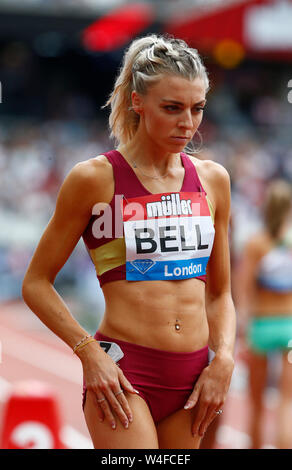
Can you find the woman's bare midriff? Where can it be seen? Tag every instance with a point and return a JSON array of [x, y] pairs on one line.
[[268, 303], [166, 315]]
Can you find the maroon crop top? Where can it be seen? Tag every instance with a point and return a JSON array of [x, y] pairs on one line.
[[108, 252]]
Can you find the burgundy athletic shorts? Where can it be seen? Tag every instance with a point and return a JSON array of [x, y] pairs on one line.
[[164, 379]]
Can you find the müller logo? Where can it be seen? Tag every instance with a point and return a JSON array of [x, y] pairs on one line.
[[170, 204]]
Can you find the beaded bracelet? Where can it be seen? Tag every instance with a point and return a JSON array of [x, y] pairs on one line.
[[81, 341], [84, 344]]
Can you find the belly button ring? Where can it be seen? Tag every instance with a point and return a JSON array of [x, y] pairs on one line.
[[177, 326]]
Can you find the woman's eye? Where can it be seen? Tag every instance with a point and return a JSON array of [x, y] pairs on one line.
[[171, 108]]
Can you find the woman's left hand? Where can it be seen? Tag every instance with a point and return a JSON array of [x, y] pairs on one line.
[[210, 392]]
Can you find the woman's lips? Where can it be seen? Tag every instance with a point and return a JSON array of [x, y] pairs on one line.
[[180, 139]]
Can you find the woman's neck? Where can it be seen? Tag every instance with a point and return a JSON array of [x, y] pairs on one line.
[[149, 157]]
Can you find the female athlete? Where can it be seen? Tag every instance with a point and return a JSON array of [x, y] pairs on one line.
[[154, 220], [265, 310]]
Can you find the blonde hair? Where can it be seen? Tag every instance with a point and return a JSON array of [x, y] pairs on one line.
[[278, 203], [143, 63]]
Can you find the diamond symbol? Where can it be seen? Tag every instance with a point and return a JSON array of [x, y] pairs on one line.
[[142, 265]]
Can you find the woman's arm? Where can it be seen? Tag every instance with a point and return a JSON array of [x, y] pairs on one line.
[[219, 304], [246, 280], [76, 198], [212, 386], [71, 215]]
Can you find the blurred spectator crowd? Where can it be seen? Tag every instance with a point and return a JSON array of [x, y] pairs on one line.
[[34, 160]]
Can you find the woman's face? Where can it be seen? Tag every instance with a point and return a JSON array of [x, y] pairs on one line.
[[171, 111]]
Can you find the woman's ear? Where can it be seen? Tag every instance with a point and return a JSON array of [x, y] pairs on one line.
[[137, 102]]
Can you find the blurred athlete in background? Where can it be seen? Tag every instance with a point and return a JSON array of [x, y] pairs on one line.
[[265, 307]]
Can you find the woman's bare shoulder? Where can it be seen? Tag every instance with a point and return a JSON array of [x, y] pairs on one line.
[[92, 177], [215, 180], [95, 167], [210, 170]]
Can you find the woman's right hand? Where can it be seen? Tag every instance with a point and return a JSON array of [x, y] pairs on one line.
[[108, 383]]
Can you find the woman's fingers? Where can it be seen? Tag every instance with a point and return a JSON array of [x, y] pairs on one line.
[[205, 413], [119, 406], [114, 404], [210, 415], [120, 396], [104, 405], [193, 398], [125, 384], [200, 414], [206, 406], [110, 389], [99, 410]]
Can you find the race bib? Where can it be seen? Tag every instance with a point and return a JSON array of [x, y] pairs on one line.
[[168, 236]]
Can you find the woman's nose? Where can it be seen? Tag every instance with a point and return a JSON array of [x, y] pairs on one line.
[[186, 120]]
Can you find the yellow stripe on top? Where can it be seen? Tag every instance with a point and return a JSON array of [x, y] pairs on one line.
[[211, 209], [109, 256]]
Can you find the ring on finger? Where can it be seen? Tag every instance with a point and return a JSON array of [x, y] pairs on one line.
[[118, 393], [100, 400], [219, 412]]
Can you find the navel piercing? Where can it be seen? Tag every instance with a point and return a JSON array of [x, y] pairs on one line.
[[177, 325]]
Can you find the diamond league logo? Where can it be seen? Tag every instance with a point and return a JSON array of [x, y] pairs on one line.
[[143, 265]]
